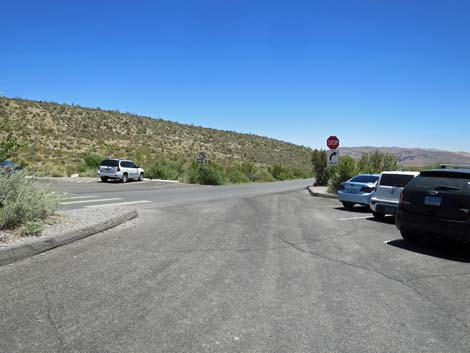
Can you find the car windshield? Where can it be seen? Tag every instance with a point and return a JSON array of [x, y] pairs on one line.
[[397, 180], [110, 163], [365, 179]]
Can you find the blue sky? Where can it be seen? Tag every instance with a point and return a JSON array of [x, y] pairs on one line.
[[381, 73]]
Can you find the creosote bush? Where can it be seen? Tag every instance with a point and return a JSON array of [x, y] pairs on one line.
[[22, 201]]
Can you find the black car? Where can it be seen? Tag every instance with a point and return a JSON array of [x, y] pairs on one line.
[[436, 204]]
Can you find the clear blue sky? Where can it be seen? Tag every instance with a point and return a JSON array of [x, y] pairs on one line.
[[382, 73]]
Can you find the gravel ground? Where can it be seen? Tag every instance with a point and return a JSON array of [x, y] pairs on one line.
[[62, 222]]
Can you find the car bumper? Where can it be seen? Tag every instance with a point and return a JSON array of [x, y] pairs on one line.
[[362, 199], [110, 175], [456, 231], [384, 207]]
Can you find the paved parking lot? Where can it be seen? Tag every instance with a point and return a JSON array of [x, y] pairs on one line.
[[277, 272]]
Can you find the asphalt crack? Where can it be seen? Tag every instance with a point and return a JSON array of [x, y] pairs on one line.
[[397, 280], [52, 322]]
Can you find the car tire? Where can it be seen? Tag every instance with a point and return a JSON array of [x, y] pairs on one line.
[[378, 215], [124, 178], [409, 235], [104, 179], [348, 205], [141, 177]]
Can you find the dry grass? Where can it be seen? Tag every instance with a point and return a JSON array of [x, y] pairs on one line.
[[60, 135]]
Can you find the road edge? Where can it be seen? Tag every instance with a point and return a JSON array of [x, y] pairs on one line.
[[24, 251], [321, 194]]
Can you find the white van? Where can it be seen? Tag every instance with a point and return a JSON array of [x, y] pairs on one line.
[[387, 195]]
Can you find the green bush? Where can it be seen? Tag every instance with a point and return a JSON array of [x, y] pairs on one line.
[[210, 173], [31, 228], [320, 169], [281, 173], [164, 169], [344, 171], [22, 200], [236, 176], [263, 175]]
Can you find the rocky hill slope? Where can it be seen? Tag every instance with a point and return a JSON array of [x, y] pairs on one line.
[[60, 134]]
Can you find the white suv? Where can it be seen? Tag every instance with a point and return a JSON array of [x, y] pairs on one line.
[[120, 169], [387, 195]]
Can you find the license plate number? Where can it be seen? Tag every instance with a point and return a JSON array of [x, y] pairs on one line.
[[432, 201]]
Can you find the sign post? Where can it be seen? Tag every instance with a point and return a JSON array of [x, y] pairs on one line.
[[332, 155]]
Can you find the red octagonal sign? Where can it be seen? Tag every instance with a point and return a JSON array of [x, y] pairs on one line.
[[332, 142]]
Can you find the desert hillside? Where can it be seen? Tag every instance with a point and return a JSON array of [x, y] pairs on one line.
[[62, 134], [413, 156]]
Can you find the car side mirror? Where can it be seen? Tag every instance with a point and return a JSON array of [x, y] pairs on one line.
[[137, 166]]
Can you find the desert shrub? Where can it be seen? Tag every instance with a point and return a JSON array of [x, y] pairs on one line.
[[236, 176], [377, 162], [263, 175], [344, 171], [281, 173], [31, 229], [22, 200], [320, 169], [92, 160], [210, 173], [163, 169]]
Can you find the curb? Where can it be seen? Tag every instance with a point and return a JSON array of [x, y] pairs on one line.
[[321, 194], [23, 251]]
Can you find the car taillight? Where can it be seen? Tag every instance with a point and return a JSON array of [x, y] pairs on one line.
[[402, 199], [118, 169], [367, 189]]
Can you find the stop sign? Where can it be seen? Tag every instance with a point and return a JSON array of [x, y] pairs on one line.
[[332, 142]]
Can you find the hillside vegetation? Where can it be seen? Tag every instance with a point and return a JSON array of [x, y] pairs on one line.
[[60, 136]]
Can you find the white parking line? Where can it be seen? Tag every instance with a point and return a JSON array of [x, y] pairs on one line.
[[118, 204], [81, 197], [89, 201], [350, 218]]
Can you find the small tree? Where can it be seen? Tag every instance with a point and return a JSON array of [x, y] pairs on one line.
[[344, 171], [320, 169]]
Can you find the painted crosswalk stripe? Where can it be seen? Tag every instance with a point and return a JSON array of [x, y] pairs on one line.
[[89, 201], [118, 204]]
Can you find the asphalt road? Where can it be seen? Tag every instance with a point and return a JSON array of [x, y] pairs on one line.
[[90, 192], [269, 272]]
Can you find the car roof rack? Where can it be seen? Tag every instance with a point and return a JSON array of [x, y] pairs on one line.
[[455, 166]]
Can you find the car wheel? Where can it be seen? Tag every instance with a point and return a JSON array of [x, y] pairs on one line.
[[348, 205], [378, 215], [141, 177], [124, 178], [104, 179], [408, 235]]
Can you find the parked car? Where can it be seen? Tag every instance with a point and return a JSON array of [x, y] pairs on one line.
[[9, 167], [436, 204], [357, 190], [122, 170], [387, 196]]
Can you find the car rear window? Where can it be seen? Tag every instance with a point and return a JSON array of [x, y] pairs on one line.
[[398, 180], [430, 180], [365, 179], [110, 163]]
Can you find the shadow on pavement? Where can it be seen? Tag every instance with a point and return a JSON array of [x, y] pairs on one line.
[[358, 209], [386, 219], [453, 252]]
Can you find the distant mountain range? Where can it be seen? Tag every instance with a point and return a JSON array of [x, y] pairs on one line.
[[412, 156]]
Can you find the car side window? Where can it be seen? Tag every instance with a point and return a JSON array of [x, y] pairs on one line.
[[125, 164], [132, 165]]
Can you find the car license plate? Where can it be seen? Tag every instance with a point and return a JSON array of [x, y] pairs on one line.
[[432, 201]]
